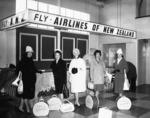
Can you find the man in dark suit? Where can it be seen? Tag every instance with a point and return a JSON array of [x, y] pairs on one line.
[[132, 75]]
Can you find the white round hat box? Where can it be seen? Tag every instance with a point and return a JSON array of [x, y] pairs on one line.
[[124, 103], [91, 102], [54, 103], [41, 108]]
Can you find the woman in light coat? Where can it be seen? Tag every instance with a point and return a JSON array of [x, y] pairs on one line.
[[77, 70], [97, 72], [121, 67]]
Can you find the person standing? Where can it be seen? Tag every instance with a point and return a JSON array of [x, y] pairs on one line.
[[121, 67], [59, 71], [132, 76], [77, 71], [97, 73], [27, 67]]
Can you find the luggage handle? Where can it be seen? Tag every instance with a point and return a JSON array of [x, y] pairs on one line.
[[54, 95], [41, 99], [66, 100]]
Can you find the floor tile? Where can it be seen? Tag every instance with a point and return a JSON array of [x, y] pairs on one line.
[[84, 111], [147, 98], [142, 103], [135, 111], [140, 106], [136, 95]]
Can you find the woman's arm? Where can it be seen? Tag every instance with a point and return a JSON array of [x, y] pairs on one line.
[[91, 71]]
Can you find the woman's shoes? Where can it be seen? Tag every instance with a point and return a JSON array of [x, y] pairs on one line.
[[76, 104], [28, 110], [21, 109]]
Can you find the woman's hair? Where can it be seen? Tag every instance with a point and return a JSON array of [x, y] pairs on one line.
[[97, 51], [59, 52], [76, 50]]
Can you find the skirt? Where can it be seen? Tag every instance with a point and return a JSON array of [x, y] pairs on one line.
[[98, 87]]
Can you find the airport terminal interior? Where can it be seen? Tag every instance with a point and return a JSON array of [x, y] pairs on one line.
[[88, 25]]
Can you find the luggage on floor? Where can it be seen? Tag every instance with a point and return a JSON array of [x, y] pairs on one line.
[[66, 106], [123, 103], [54, 103], [91, 102], [41, 108], [105, 113]]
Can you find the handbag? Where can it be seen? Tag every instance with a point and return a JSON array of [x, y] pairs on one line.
[[90, 85], [20, 87], [74, 70], [65, 91], [15, 83], [126, 85], [66, 106]]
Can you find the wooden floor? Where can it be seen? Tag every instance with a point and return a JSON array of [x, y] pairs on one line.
[[140, 107]]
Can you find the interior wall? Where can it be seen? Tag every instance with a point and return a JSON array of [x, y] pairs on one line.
[[143, 28], [93, 41], [11, 46], [3, 49], [147, 61], [142, 62], [7, 8], [87, 6], [119, 13], [7, 48]]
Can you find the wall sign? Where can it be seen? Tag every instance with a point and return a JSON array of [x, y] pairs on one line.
[[68, 23], [14, 21]]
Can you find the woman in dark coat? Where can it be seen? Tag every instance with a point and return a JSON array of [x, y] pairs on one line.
[[59, 70], [27, 67], [120, 68]]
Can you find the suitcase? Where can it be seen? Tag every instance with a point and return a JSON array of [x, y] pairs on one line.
[[41, 108], [67, 106], [123, 103], [54, 103], [91, 102]]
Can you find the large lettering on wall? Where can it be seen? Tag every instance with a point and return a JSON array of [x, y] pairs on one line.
[[37, 17]]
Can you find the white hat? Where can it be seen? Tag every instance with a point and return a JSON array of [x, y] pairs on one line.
[[58, 50], [29, 49], [119, 51]]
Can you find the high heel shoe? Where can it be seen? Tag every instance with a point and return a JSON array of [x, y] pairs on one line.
[[27, 110], [77, 104], [21, 109]]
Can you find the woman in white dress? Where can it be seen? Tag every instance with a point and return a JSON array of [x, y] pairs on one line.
[[77, 70]]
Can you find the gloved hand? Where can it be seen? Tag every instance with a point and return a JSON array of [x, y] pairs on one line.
[[40, 71], [74, 70], [117, 70]]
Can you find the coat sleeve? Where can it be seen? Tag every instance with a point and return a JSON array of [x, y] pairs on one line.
[[18, 67], [91, 70], [83, 67], [64, 72], [70, 67], [104, 67], [125, 66]]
